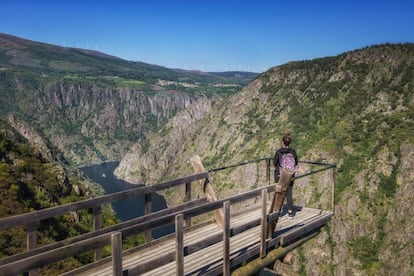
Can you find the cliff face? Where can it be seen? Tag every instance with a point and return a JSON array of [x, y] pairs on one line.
[[355, 110], [93, 106], [95, 123], [88, 121]]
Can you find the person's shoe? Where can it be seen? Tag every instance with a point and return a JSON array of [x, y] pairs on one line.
[[291, 214]]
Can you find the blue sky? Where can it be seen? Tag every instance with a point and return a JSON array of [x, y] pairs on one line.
[[212, 35]]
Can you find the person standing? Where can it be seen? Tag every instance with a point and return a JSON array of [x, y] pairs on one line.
[[283, 153]]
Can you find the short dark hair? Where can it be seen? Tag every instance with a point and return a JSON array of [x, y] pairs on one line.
[[286, 139]]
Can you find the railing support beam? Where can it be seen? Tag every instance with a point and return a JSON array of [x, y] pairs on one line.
[[148, 210], [226, 239], [32, 243], [97, 224], [188, 199], [179, 244], [263, 230], [116, 242]]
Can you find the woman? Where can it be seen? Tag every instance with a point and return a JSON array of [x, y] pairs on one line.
[[285, 150]]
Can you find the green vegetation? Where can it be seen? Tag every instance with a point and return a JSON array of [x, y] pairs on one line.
[[353, 109], [64, 91], [29, 182], [365, 250]]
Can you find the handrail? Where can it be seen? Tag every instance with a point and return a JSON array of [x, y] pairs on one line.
[[106, 230], [327, 166], [42, 214], [99, 237], [238, 164], [27, 262]]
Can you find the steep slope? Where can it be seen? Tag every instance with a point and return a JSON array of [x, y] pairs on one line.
[[355, 110], [34, 176], [93, 106]]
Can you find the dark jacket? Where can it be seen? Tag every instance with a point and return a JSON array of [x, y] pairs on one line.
[[278, 156]]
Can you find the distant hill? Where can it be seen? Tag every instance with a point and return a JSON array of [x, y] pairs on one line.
[[355, 110], [93, 106], [50, 59]]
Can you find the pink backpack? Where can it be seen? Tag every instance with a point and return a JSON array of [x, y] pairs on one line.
[[288, 163]]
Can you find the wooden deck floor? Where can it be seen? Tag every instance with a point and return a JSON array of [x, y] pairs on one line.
[[207, 260]]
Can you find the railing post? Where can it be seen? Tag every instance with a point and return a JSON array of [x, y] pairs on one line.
[[333, 190], [116, 242], [188, 199], [226, 239], [97, 224], [31, 240], [179, 245], [263, 233], [268, 170], [207, 188], [148, 210]]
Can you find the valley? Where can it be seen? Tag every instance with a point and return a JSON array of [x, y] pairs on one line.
[[74, 107]]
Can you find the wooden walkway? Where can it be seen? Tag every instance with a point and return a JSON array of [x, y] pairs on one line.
[[202, 249], [209, 260]]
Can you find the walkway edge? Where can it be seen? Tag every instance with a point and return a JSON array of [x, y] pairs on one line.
[[256, 265]]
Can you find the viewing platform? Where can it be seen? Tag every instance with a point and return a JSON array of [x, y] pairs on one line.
[[232, 239]]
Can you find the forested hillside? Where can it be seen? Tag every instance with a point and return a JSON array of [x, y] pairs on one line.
[[29, 181], [355, 110], [92, 106], [62, 107]]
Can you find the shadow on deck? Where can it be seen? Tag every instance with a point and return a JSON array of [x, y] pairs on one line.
[[244, 246]]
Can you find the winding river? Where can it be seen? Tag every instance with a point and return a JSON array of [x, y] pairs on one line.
[[128, 208]]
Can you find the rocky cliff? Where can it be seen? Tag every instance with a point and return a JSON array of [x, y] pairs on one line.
[[91, 124], [93, 106], [355, 110]]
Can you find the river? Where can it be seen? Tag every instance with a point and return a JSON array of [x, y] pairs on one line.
[[128, 208]]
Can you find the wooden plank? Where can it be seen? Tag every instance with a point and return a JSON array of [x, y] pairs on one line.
[[263, 230], [207, 188], [253, 223], [309, 226], [243, 240], [147, 211], [106, 230], [116, 242], [89, 203], [179, 244], [226, 239], [97, 224], [278, 198], [303, 215], [205, 256], [211, 256], [209, 259], [32, 243], [187, 199], [155, 262], [256, 265], [55, 255], [203, 242], [161, 258]]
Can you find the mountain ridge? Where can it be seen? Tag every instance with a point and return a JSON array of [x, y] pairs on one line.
[[355, 109], [95, 99], [39, 49]]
